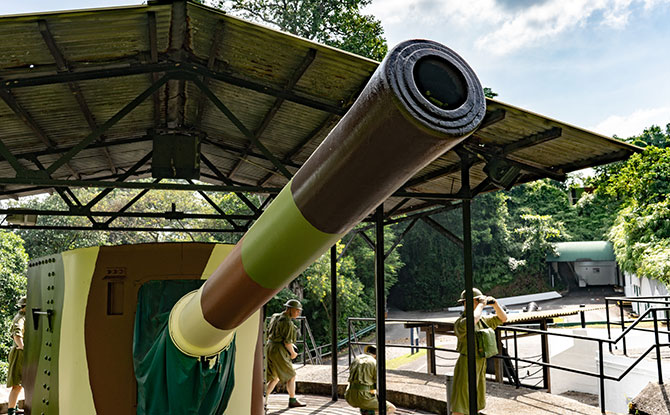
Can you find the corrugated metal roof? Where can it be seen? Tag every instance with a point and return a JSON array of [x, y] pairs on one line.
[[109, 53], [583, 251]]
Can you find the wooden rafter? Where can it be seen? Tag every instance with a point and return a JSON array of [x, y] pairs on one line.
[[63, 66], [30, 122], [297, 74]]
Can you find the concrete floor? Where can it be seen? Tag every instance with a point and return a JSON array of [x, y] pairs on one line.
[[319, 405]]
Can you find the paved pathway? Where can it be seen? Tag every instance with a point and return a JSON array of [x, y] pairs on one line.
[[319, 405]]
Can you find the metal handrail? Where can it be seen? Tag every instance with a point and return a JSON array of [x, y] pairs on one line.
[[601, 342], [601, 373]]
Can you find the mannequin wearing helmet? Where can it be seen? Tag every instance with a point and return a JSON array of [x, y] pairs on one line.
[[280, 350]]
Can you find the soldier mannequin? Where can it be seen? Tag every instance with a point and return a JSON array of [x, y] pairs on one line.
[[15, 372], [460, 392], [280, 350], [360, 391]]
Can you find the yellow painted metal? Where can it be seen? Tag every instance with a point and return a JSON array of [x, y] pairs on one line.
[[77, 398], [265, 256]]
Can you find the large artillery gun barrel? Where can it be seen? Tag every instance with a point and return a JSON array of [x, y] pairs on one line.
[[422, 100]]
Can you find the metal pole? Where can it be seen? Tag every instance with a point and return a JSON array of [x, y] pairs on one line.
[[582, 316], [381, 309], [602, 376], [469, 308], [658, 350], [516, 360], [607, 316], [625, 352], [349, 339], [333, 320]]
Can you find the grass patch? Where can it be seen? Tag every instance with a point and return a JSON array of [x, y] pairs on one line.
[[404, 359]]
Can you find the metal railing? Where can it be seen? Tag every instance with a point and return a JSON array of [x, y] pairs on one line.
[[519, 332], [619, 301], [601, 342]]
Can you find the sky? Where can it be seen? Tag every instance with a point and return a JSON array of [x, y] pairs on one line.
[[602, 65]]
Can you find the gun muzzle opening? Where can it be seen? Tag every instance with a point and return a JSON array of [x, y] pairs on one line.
[[440, 83], [436, 87]]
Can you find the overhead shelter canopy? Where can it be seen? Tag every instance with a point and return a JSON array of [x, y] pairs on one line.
[[84, 93], [583, 251]]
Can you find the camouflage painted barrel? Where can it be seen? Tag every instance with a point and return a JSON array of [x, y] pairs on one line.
[[422, 101], [93, 313]]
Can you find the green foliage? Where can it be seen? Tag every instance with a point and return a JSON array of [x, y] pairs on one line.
[[641, 234], [489, 93], [652, 136], [13, 265], [337, 23]]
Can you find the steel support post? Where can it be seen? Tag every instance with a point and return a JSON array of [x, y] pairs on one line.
[[623, 327], [430, 353], [607, 316], [658, 349], [469, 308], [381, 309], [546, 377], [333, 320], [601, 371]]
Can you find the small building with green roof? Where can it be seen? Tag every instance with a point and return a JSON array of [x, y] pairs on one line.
[[585, 263]]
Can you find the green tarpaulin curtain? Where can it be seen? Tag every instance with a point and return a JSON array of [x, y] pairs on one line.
[[169, 382]]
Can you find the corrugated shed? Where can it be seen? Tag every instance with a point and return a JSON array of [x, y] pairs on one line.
[[292, 89]]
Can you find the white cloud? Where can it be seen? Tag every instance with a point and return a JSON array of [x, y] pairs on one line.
[[505, 29], [625, 126]]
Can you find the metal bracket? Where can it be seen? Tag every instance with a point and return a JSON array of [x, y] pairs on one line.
[[37, 312]]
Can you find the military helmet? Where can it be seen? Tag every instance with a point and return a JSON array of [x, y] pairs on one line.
[[293, 303], [22, 301], [475, 294]]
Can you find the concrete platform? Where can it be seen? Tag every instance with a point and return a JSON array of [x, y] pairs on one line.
[[321, 405], [427, 393]]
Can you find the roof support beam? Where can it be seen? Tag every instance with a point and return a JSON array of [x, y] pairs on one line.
[[11, 159], [62, 65], [399, 238], [38, 181], [64, 192], [527, 142], [128, 205], [218, 209], [222, 107], [175, 89], [107, 125], [444, 231], [213, 52], [28, 120], [120, 229], [297, 74], [191, 67], [397, 206], [229, 182], [153, 48], [122, 213], [122, 178], [288, 157], [492, 117]]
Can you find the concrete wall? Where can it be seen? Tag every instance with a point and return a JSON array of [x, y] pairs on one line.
[[583, 355], [643, 287]]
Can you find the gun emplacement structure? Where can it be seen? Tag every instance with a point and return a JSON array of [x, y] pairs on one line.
[[422, 101]]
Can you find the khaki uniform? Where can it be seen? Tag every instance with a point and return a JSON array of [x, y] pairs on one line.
[[15, 371], [362, 383], [459, 394], [278, 360]]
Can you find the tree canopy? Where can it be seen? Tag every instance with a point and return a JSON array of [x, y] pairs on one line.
[[337, 23]]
